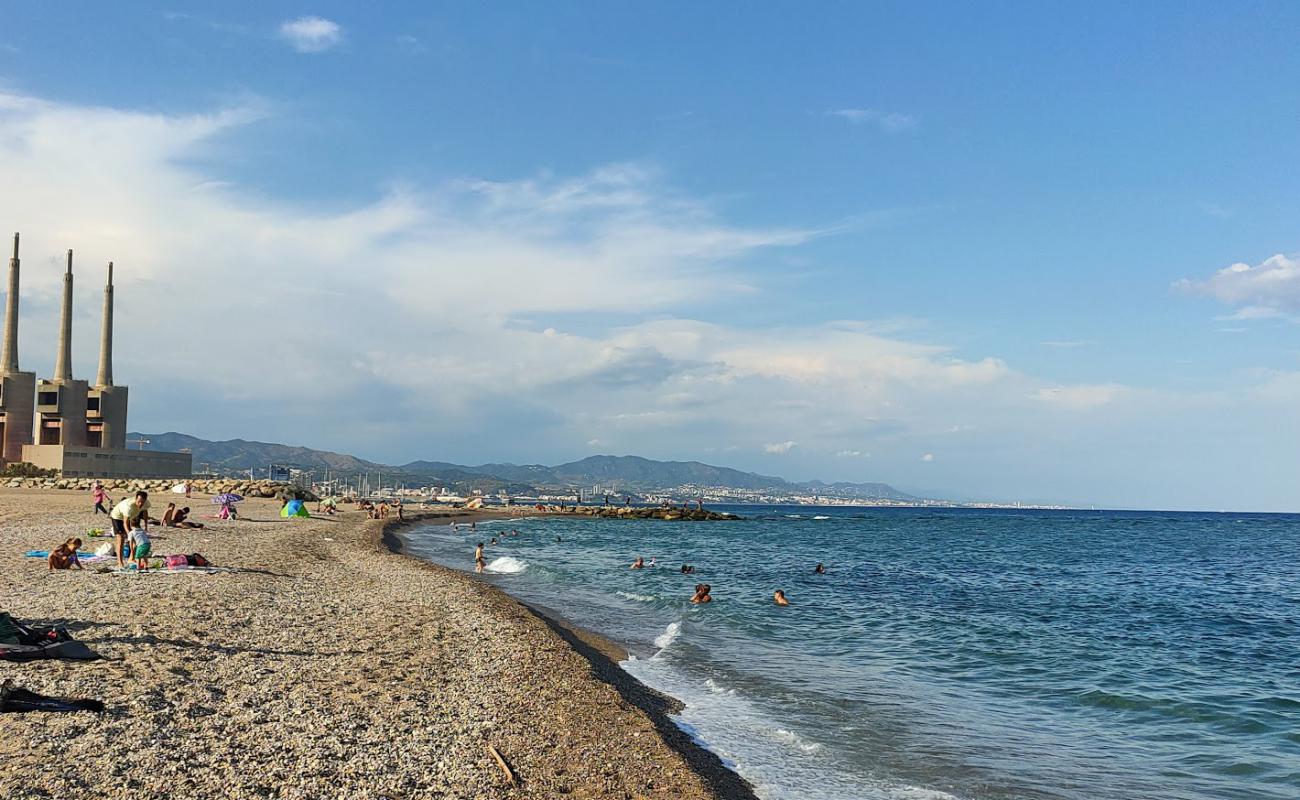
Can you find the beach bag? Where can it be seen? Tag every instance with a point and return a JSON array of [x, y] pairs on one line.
[[176, 562], [196, 560]]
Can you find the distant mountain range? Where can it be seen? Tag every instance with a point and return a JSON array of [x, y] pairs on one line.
[[621, 473]]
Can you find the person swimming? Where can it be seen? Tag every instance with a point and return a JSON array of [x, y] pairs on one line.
[[819, 569], [778, 597], [702, 594], [479, 561], [558, 540], [638, 564], [494, 540], [687, 569]]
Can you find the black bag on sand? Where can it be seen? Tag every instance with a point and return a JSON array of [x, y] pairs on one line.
[[16, 700]]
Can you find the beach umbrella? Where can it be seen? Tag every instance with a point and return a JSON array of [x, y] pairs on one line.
[[226, 499]]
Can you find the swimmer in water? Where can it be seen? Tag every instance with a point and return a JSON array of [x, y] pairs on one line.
[[558, 539], [778, 597], [494, 540], [820, 570], [687, 569], [479, 561], [638, 564], [702, 594]]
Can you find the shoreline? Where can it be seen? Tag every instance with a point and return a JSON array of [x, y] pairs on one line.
[[323, 665], [603, 654]]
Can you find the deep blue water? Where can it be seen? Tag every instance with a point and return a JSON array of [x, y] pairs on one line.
[[949, 653]]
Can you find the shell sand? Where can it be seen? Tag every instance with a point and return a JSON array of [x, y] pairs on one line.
[[321, 669]]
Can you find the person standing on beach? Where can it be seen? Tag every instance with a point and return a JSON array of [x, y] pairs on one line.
[[126, 515], [479, 560], [100, 496]]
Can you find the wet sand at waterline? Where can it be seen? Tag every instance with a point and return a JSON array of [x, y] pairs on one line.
[[326, 666]]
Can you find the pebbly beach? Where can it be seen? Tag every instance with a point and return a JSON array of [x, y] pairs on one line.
[[318, 663]]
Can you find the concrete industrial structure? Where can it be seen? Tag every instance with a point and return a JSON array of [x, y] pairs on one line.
[[62, 423]]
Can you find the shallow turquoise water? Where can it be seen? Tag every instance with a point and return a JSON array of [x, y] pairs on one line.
[[972, 654]]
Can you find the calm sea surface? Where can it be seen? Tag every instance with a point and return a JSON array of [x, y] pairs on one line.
[[948, 653]]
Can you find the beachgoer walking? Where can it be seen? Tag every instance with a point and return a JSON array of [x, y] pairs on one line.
[[778, 597], [479, 560], [100, 496], [126, 515], [65, 556], [702, 594], [189, 487]]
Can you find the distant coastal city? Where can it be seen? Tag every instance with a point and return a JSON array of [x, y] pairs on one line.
[[600, 480]]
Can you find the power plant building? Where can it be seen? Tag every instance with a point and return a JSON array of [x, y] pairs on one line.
[[63, 423]]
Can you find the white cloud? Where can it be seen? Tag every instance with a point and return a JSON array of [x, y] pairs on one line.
[[927, 457], [435, 320], [311, 34], [887, 121], [1079, 397], [1268, 289]]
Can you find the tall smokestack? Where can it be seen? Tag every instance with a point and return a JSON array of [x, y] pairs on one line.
[[10, 358], [63, 366], [105, 377]]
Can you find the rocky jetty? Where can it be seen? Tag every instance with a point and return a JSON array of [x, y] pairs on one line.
[[669, 513], [245, 488]]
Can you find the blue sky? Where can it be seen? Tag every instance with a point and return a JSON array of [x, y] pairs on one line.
[[978, 251]]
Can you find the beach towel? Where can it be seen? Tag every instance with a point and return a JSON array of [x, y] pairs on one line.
[[14, 699]]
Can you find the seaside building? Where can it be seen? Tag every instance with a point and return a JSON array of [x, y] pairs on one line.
[[63, 423], [17, 388], [106, 403], [61, 400]]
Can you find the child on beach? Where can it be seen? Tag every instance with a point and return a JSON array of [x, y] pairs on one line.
[[65, 556], [125, 515], [100, 496], [140, 547], [479, 561]]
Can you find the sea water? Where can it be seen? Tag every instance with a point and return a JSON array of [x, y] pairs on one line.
[[983, 654]]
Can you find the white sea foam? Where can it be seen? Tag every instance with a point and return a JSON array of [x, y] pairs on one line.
[[640, 598], [506, 565], [794, 516], [821, 516], [670, 634], [795, 740]]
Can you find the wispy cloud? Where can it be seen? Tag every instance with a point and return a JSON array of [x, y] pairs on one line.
[[887, 121], [927, 457], [311, 34], [779, 448], [1079, 397], [410, 45], [1267, 289], [852, 454]]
